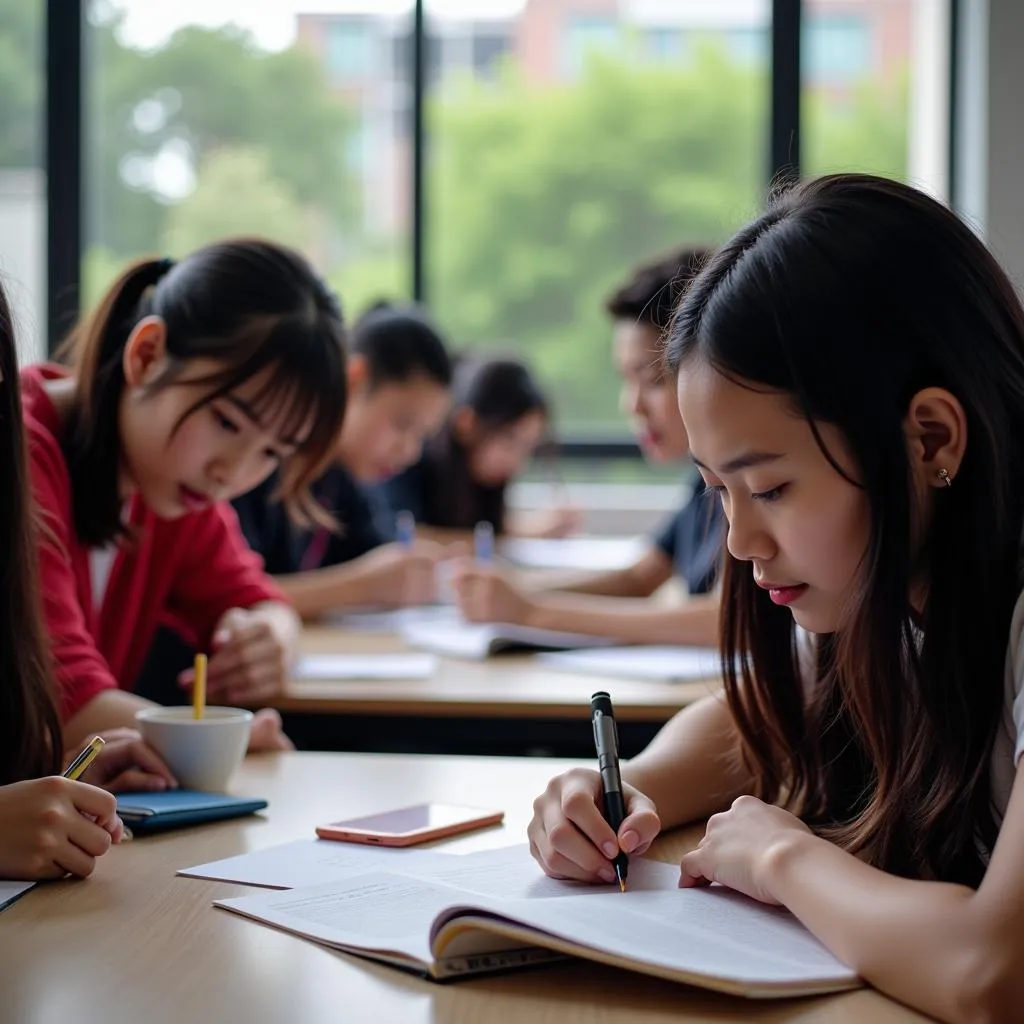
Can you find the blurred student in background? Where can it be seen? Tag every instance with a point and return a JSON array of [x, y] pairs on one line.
[[689, 543], [399, 378], [499, 420]]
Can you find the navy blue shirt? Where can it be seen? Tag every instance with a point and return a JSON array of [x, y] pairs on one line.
[[692, 539], [287, 548]]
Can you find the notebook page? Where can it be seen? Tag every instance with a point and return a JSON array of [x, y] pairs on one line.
[[307, 862], [465, 640], [714, 933], [365, 666], [657, 663], [510, 872], [374, 911]]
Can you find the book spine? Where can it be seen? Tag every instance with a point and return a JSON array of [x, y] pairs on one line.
[[487, 963]]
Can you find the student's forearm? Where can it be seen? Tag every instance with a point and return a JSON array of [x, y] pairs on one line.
[[638, 580], [924, 943], [322, 590], [109, 709], [631, 620], [693, 767]]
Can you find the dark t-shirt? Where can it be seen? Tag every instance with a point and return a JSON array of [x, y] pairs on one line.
[[439, 491], [692, 539], [288, 548]]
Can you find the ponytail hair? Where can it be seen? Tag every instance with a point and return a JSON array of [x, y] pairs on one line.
[[30, 735], [249, 305]]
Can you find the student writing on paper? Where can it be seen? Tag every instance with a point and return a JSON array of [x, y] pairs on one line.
[[851, 376], [500, 418], [615, 604], [49, 826], [188, 385], [398, 381]]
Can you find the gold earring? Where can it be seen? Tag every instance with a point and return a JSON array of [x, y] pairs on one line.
[[943, 475]]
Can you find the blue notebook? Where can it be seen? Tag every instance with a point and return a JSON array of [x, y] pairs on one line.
[[176, 808]]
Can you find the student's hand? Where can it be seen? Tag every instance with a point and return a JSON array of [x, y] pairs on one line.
[[52, 827], [554, 522], [267, 734], [569, 837], [128, 764], [249, 663], [401, 577], [484, 595], [739, 846]]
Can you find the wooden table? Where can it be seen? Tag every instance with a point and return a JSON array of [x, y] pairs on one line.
[[135, 943], [510, 704]]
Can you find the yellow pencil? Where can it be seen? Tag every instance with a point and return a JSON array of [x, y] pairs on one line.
[[199, 687], [85, 758]]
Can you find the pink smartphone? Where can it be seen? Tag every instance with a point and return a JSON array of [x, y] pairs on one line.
[[410, 825]]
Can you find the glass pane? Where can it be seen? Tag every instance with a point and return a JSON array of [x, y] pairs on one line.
[[22, 176], [876, 88], [207, 119], [570, 139]]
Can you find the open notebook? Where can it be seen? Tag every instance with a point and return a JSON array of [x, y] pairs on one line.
[[458, 639], [494, 910]]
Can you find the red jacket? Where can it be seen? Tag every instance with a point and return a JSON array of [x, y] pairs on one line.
[[191, 569]]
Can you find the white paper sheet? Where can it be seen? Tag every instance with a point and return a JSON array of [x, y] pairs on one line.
[[660, 664], [596, 554], [365, 666], [10, 891], [391, 620], [307, 862]]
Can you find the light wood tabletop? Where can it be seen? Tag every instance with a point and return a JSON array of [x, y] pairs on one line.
[[506, 686], [137, 943]]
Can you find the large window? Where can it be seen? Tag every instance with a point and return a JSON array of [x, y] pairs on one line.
[[206, 120], [876, 88], [22, 179], [565, 140], [610, 133]]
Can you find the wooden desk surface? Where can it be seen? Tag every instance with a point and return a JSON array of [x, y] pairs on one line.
[[508, 686], [136, 943]]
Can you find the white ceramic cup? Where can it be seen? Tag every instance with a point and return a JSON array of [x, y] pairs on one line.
[[202, 753]]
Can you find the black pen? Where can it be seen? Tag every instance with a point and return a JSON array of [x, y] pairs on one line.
[[606, 740]]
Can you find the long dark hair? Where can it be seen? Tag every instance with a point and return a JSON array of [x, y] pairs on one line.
[[246, 303], [849, 295], [30, 736], [499, 392]]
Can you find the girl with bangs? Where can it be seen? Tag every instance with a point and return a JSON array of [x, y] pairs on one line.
[[851, 377], [189, 385]]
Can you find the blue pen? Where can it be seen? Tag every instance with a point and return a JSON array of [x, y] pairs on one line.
[[483, 543], [405, 530]]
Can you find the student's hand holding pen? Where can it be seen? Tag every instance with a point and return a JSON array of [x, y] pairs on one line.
[[485, 595], [128, 764], [52, 827], [400, 575], [569, 836]]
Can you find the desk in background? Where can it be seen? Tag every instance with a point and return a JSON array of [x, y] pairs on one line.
[[135, 943], [507, 705]]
